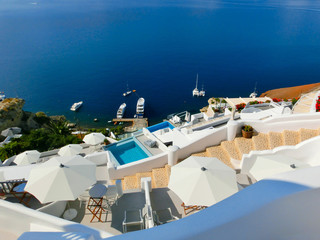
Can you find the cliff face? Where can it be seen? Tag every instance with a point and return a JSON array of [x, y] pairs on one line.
[[291, 92], [12, 115]]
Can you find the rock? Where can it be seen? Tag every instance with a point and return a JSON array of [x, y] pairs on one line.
[[12, 115]]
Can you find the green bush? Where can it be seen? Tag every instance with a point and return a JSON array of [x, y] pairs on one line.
[[41, 139]]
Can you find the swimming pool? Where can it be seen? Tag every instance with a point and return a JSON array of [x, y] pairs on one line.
[[159, 126], [127, 151]]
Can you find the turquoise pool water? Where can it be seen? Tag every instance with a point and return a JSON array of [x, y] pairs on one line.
[[127, 151], [159, 126]]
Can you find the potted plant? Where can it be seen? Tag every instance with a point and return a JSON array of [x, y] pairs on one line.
[[247, 131]]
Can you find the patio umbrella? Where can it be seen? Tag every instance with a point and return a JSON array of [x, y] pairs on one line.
[[27, 157], [61, 178], [94, 138], [9, 132], [70, 150], [266, 166], [202, 181]]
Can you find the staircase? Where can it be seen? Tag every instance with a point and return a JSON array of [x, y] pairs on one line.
[[228, 152], [305, 103]]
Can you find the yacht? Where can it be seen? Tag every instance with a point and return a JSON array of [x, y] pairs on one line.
[[202, 93], [121, 110], [76, 106], [140, 108], [195, 91]]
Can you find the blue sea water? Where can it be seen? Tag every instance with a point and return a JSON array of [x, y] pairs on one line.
[[54, 52]]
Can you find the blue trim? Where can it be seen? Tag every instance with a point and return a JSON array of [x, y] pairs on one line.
[[112, 146], [161, 125]]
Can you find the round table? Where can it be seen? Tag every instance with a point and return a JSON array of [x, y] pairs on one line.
[[70, 214], [98, 191]]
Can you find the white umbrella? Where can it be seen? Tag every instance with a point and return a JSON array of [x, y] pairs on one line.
[[27, 157], [266, 166], [9, 132], [94, 138], [61, 178], [70, 150], [202, 181]]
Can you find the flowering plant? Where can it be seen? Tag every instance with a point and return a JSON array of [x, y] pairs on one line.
[[318, 105], [277, 99], [240, 106]]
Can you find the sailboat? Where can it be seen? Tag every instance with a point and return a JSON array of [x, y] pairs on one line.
[[254, 93], [202, 93], [195, 91]]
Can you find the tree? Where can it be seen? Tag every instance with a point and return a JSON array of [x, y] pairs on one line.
[[217, 101], [59, 127]]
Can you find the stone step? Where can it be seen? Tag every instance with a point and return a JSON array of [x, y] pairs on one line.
[[244, 145], [261, 142], [308, 133], [160, 177], [275, 139], [220, 153], [231, 148], [130, 182], [200, 154], [291, 137]]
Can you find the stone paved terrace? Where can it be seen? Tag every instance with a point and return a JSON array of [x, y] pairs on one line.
[[132, 199]]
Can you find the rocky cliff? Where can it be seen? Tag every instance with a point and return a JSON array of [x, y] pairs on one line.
[[12, 115], [291, 92]]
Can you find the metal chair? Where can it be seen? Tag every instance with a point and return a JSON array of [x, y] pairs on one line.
[[163, 216], [132, 218]]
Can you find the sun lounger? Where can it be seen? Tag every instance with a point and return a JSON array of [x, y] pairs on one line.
[[150, 143]]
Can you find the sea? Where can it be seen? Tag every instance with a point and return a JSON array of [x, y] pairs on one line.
[[57, 52]]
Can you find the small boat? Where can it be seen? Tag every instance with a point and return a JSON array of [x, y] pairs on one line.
[[140, 108], [128, 92], [96, 120], [195, 91], [121, 110], [2, 96], [254, 93], [76, 106]]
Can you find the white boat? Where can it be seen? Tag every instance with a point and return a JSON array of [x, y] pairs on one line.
[[128, 92], [2, 96], [140, 108], [195, 91], [76, 106], [202, 93], [121, 110], [254, 94]]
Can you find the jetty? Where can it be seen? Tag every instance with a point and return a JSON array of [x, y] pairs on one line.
[[137, 123]]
